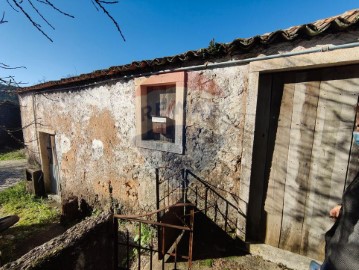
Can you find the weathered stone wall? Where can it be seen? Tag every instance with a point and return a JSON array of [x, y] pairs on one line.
[[95, 137], [87, 245], [95, 132]]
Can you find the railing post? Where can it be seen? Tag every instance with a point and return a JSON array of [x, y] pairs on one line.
[[158, 193], [115, 243], [151, 251], [215, 212], [190, 248], [168, 192], [186, 182], [163, 248], [184, 190], [128, 250], [175, 256], [226, 218], [205, 201], [183, 186], [163, 242], [196, 200], [139, 246]]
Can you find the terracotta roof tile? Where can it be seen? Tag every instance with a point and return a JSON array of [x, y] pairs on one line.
[[348, 20]]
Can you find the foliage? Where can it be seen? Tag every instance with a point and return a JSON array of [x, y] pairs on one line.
[[207, 262], [31, 210], [7, 93], [147, 233], [35, 216], [214, 48], [13, 155]]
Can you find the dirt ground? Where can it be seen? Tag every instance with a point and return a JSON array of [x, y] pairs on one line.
[[246, 262], [18, 245], [11, 172], [212, 249]]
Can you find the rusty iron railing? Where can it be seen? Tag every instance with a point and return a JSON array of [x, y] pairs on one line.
[[170, 188], [217, 204], [168, 238], [179, 196], [184, 186]]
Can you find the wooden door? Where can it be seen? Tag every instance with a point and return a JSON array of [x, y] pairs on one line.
[[308, 156], [54, 167], [49, 166]]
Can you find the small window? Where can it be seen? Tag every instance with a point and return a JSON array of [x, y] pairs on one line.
[[159, 112]]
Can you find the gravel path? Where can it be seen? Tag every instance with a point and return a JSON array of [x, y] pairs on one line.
[[11, 172]]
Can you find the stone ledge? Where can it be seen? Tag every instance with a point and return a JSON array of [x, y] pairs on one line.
[[276, 255], [80, 246]]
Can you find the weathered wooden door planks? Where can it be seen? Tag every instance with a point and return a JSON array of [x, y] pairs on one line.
[[308, 157], [277, 174], [331, 151], [305, 102]]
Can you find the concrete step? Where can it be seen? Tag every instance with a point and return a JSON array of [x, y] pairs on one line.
[[280, 256]]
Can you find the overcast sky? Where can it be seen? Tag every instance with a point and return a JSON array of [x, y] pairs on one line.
[[152, 28]]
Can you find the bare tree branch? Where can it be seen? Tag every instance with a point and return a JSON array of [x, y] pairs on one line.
[[12, 6], [10, 81], [93, 3], [17, 5], [99, 3], [3, 19], [36, 25], [31, 9], [55, 8], [39, 13], [10, 133], [109, 2], [4, 66]]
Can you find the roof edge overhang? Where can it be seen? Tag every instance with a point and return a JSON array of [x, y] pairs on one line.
[[215, 52]]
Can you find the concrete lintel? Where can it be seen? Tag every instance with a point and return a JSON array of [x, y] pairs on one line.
[[308, 61]]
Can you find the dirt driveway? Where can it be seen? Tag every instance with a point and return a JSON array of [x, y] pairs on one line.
[[11, 172]]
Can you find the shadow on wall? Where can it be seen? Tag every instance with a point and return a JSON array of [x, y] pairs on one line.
[[218, 245], [303, 154]]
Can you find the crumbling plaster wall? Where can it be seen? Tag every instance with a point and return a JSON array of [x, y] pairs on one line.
[[95, 137], [95, 132]]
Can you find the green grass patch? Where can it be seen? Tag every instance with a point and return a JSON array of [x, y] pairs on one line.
[[31, 210], [13, 155], [36, 215], [207, 262], [147, 233]]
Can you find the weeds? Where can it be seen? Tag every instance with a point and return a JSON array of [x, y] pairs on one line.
[[16, 201], [13, 155], [35, 216], [207, 262], [147, 233]]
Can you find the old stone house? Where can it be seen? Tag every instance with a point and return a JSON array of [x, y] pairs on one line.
[[267, 120]]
